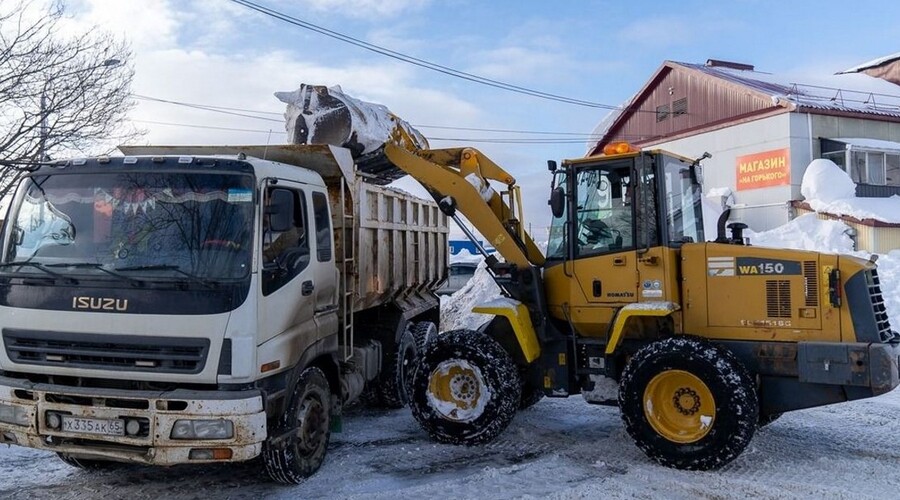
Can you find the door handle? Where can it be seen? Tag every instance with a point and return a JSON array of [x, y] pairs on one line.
[[307, 288]]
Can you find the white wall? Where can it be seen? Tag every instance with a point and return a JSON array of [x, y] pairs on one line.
[[762, 208]]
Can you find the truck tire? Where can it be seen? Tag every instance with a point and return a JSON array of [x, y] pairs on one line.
[[688, 403], [412, 345], [466, 390], [89, 464], [308, 420]]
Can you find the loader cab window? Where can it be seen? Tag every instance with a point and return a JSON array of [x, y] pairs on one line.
[[684, 214], [604, 220], [284, 253]]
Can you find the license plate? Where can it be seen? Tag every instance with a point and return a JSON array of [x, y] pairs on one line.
[[101, 426]]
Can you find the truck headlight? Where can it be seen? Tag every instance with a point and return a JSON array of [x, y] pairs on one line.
[[10, 414], [203, 429]]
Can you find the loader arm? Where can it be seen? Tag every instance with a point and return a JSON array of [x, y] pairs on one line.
[[463, 174]]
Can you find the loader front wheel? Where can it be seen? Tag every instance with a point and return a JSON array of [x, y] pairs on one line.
[[297, 449], [688, 403], [466, 390]]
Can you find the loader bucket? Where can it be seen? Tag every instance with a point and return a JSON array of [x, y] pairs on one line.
[[317, 114]]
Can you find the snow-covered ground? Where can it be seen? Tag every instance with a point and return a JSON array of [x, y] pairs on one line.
[[561, 448]]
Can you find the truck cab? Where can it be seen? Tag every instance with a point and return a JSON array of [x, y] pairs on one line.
[[179, 308]]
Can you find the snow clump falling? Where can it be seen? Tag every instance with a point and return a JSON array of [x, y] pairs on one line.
[[456, 310]]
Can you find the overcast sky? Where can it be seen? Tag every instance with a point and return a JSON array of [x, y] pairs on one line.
[[215, 52]]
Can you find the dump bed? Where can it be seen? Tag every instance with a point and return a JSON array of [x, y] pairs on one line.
[[390, 244]]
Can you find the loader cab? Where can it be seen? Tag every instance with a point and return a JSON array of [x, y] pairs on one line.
[[632, 201], [625, 218]]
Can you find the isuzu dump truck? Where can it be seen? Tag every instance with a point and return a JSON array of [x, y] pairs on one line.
[[206, 304]]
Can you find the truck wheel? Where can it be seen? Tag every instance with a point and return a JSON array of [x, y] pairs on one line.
[[307, 420], [688, 403], [90, 464], [409, 353], [466, 390]]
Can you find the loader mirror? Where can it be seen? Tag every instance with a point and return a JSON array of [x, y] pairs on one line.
[[551, 165], [280, 210], [557, 201]]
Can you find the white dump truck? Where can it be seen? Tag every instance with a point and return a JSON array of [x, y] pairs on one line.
[[209, 304]]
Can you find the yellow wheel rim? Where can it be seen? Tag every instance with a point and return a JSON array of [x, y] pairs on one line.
[[456, 390], [679, 406]]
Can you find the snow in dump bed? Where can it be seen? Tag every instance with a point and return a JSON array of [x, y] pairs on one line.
[[828, 189], [320, 111]]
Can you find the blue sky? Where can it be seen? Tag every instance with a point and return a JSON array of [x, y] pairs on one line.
[[216, 52]]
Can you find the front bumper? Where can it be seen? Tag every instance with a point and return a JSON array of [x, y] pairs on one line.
[[872, 366], [159, 410]]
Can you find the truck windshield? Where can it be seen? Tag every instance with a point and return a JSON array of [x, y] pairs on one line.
[[166, 225]]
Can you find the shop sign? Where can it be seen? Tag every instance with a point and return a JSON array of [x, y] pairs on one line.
[[767, 169]]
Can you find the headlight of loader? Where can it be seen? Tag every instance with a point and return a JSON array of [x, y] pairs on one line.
[[203, 429], [10, 414]]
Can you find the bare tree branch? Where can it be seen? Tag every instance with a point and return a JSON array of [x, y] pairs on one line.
[[71, 94]]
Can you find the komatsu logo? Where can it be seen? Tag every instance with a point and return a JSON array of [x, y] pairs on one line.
[[99, 303]]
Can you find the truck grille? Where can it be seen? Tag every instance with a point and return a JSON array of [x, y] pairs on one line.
[[882, 322], [106, 352]]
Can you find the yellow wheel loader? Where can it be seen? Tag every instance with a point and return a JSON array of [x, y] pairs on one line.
[[698, 342]]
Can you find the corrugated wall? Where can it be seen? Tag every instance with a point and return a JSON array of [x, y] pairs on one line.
[[708, 100]]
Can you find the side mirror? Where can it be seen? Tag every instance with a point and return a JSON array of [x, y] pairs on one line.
[[557, 201], [280, 210], [551, 165]]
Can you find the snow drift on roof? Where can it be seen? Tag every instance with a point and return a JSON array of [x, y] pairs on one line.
[[828, 189]]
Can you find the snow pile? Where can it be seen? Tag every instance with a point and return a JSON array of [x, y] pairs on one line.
[[889, 276], [456, 310], [317, 114], [828, 189], [806, 232]]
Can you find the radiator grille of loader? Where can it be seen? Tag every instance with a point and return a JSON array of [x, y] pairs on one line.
[[881, 316]]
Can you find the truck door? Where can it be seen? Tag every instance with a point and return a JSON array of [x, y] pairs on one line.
[[287, 299], [326, 273]]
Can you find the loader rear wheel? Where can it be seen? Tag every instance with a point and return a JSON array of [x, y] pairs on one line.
[[306, 428], [466, 390], [688, 403]]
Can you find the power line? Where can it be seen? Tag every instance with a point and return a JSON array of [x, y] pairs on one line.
[[416, 61], [223, 109], [211, 127], [217, 109], [489, 140]]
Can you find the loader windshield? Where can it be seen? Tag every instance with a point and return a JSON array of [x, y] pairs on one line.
[[155, 225]]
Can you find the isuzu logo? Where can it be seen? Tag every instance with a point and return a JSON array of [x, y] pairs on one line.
[[99, 303]]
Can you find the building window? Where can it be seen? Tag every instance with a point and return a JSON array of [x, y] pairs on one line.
[[679, 107], [838, 157], [892, 169], [662, 112], [875, 168]]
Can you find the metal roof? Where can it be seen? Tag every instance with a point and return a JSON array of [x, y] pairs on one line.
[[813, 97]]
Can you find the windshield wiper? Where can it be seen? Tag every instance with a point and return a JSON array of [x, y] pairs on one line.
[[99, 267], [41, 267], [169, 267]]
